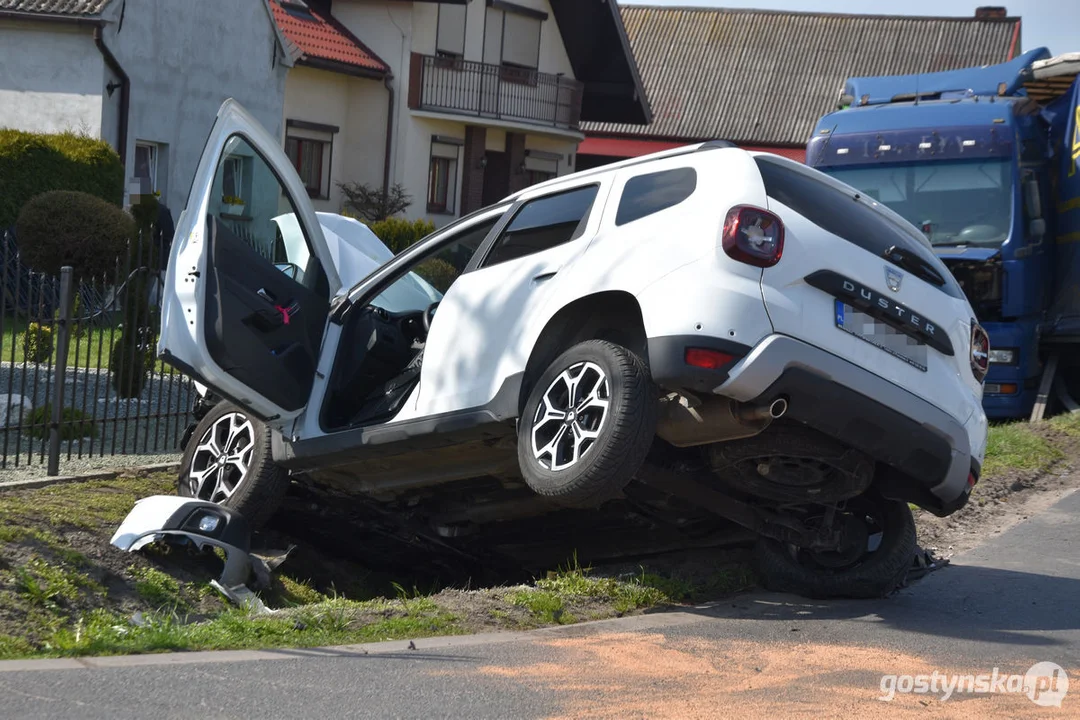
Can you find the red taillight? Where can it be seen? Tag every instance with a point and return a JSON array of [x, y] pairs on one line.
[[753, 236], [980, 351], [708, 359]]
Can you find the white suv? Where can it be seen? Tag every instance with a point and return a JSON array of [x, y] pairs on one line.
[[683, 340]]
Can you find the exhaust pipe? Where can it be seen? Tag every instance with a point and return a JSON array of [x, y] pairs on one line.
[[759, 413]]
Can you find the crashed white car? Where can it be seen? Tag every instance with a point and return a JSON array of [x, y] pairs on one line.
[[675, 345]]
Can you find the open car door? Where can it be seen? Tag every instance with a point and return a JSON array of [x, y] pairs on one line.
[[250, 275]]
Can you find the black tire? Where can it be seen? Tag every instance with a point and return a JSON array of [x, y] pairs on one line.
[[626, 432], [873, 574], [260, 491]]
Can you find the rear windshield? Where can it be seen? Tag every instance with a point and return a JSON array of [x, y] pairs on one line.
[[844, 214]]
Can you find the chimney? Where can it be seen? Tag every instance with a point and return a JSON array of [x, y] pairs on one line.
[[991, 12]]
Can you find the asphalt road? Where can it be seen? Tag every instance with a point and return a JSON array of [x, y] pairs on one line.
[[1008, 604]]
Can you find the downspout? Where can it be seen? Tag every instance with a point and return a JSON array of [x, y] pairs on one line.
[[125, 95], [388, 81]]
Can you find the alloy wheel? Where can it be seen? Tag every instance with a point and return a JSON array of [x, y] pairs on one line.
[[570, 416], [222, 458]]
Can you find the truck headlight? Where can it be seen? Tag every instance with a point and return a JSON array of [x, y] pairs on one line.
[[1004, 356]]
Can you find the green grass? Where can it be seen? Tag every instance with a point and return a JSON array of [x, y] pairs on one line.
[[93, 348], [1015, 446], [1069, 423], [330, 622], [90, 505]]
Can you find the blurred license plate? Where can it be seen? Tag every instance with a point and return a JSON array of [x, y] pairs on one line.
[[881, 335]]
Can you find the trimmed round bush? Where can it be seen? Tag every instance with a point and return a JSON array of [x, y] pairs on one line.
[[64, 227]]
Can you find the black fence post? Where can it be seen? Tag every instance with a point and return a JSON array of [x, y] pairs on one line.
[[63, 326]]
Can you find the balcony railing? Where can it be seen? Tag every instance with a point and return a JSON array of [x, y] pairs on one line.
[[463, 87]]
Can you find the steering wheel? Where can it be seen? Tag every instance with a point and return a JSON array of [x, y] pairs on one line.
[[428, 316]]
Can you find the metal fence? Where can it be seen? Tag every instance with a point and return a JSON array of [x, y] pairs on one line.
[[78, 375]]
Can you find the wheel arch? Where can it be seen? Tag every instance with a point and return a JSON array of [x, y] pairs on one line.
[[613, 315]]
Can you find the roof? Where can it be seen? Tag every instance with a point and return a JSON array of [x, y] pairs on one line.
[[74, 8], [765, 77], [323, 41], [599, 50]]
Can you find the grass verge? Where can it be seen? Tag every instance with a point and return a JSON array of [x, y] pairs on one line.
[[65, 591]]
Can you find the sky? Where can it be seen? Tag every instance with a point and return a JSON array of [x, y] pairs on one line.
[[1054, 24]]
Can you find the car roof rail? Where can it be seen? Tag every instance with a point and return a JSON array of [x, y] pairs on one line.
[[716, 144]]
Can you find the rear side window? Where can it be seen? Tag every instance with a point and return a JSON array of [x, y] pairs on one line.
[[651, 193], [842, 215], [542, 224]]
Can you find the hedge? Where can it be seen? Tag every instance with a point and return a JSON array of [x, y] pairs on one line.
[[34, 163], [399, 233]]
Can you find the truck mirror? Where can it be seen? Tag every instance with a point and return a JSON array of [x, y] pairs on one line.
[[1037, 229], [1032, 199]]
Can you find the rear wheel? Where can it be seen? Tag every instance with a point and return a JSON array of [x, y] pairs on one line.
[[878, 549], [587, 425], [228, 462]]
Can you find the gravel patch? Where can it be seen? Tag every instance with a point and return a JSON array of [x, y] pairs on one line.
[[126, 432]]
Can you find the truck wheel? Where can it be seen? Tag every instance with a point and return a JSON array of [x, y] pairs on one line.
[[587, 425], [880, 548], [228, 462]]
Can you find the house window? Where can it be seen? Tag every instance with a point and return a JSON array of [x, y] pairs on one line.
[[450, 38], [307, 158], [442, 175], [146, 163], [540, 166], [310, 147], [512, 39]]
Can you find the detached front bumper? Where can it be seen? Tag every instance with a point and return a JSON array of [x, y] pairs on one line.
[[929, 451]]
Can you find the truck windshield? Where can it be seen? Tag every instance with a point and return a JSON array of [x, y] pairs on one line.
[[954, 202]]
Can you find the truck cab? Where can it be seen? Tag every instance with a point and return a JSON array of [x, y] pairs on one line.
[[972, 158]]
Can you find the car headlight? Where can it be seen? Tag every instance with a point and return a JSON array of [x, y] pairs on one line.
[[1004, 356]]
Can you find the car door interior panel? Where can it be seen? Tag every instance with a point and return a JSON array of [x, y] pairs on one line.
[[262, 327]]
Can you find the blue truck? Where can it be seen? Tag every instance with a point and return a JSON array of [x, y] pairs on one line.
[[984, 161]]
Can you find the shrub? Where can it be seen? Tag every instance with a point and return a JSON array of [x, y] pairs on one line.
[[73, 423], [131, 361], [63, 227], [34, 163], [38, 343], [398, 233], [438, 272], [372, 204]]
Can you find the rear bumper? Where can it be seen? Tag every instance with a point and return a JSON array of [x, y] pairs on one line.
[[929, 451]]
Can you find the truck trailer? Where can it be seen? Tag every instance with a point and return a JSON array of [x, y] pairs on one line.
[[984, 161]]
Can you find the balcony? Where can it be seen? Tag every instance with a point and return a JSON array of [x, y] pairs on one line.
[[462, 87]]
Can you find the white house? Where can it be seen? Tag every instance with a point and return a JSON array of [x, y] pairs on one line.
[[460, 101], [146, 75]]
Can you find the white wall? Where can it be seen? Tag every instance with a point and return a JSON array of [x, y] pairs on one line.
[[394, 30], [355, 105], [184, 59], [52, 78]]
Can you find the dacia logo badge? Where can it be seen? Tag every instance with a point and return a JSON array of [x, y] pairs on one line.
[[893, 278]]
